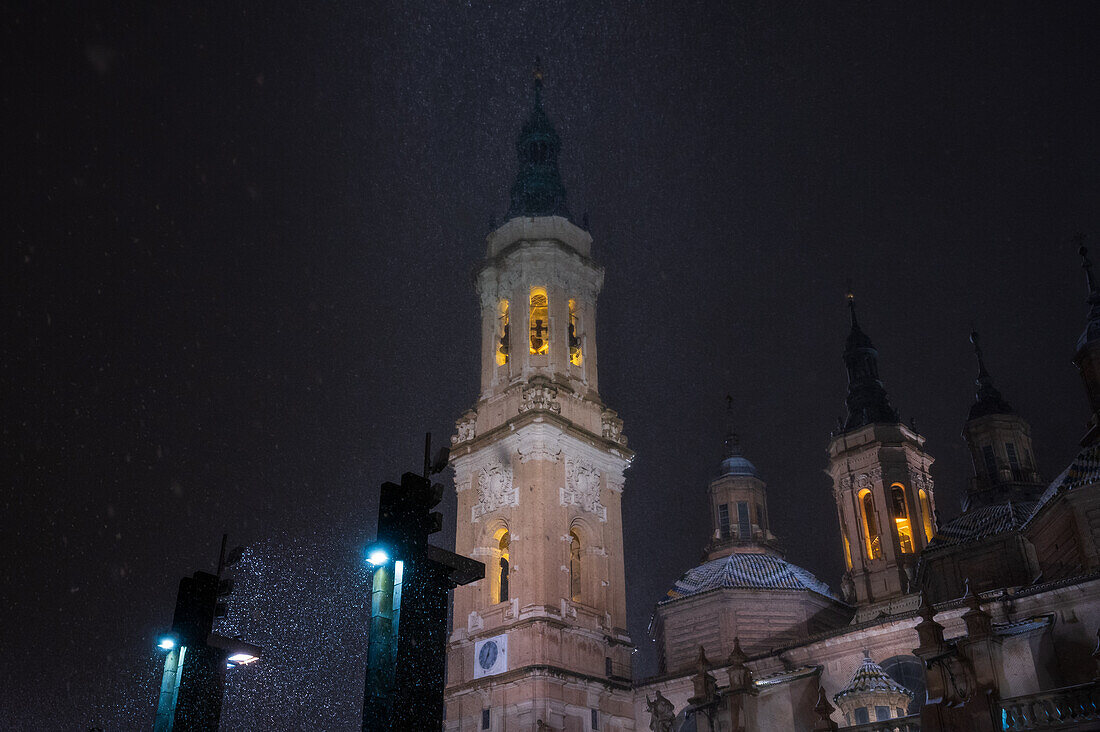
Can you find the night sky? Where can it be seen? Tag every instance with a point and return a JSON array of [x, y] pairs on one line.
[[237, 286]]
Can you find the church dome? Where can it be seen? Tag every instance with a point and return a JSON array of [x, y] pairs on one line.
[[738, 465], [747, 571]]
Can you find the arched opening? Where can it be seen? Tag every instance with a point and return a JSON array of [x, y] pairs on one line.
[[575, 356], [847, 548], [926, 513], [574, 566], [502, 331], [899, 510], [500, 587], [870, 525], [539, 321], [909, 672]]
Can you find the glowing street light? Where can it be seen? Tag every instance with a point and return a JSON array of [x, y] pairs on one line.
[[378, 556], [167, 643]]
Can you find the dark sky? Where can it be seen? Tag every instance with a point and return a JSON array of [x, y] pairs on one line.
[[237, 284]]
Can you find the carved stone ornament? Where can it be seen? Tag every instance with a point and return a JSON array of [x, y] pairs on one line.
[[582, 488], [863, 481], [495, 489], [613, 427], [540, 394], [846, 482], [466, 428]]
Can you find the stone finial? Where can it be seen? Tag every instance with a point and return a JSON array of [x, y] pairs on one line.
[[824, 711], [979, 623], [929, 632], [740, 675], [706, 687]]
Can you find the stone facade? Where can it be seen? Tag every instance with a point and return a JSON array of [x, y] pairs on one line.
[[986, 622]]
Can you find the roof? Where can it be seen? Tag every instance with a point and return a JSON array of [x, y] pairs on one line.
[[870, 678], [738, 465], [1084, 470], [746, 571], [979, 523]]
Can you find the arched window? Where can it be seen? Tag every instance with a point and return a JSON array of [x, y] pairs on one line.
[[926, 513], [574, 566], [502, 343], [539, 321], [870, 525], [899, 510], [575, 355], [503, 542], [847, 548]]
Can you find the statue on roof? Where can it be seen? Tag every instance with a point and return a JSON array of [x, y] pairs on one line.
[[661, 713]]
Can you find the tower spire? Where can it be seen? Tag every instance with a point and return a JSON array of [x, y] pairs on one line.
[[867, 401], [733, 442], [538, 189], [987, 400]]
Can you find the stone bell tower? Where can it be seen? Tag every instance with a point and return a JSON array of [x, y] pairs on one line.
[[541, 642], [881, 484]]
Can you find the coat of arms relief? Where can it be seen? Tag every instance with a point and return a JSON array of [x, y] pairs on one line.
[[495, 489]]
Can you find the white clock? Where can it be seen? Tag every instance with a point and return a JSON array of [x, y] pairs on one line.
[[491, 656]]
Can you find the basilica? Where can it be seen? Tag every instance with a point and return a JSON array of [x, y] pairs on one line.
[[986, 622]]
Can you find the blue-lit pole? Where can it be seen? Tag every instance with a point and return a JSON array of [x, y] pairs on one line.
[[382, 644]]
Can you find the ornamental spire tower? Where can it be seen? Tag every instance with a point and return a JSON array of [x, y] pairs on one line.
[[881, 483], [739, 504], [539, 467], [1000, 445]]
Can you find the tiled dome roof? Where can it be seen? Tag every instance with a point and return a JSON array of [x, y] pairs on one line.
[[747, 571], [870, 678], [979, 523]]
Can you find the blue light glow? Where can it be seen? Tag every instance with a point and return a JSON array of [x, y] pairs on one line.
[[378, 557], [167, 643]]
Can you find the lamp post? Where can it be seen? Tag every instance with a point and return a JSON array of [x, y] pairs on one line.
[[196, 659], [406, 653]]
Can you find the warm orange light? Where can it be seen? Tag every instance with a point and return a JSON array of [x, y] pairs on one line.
[[539, 322], [926, 514], [870, 525], [575, 355], [900, 509], [847, 551], [502, 342]]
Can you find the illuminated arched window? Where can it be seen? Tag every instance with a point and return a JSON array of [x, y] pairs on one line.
[[503, 541], [899, 511], [502, 330], [574, 566], [870, 525], [539, 321], [926, 514], [575, 355], [847, 548]]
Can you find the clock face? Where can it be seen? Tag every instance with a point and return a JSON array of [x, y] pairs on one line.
[[488, 655]]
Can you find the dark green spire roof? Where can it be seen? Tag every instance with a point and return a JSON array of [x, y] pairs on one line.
[[987, 400], [538, 190], [867, 401]]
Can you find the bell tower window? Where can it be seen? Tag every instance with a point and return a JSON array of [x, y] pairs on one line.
[[926, 513], [504, 540], [900, 511], [870, 525], [502, 342], [724, 521], [575, 355], [847, 549], [539, 321], [574, 566]]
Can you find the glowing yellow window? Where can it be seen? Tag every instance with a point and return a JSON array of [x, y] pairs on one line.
[[847, 548], [900, 511], [926, 514], [870, 525], [502, 343], [575, 355], [500, 589], [539, 321]]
